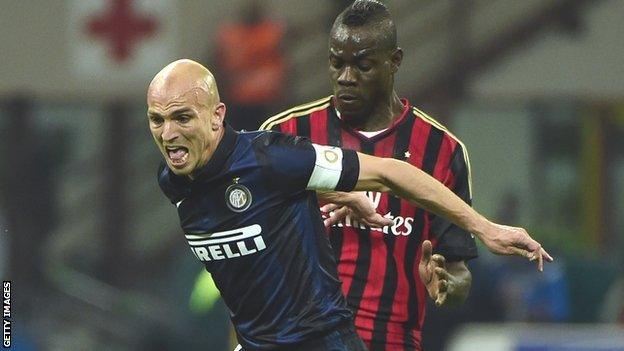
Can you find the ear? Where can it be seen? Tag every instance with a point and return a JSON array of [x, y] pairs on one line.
[[396, 58], [218, 116]]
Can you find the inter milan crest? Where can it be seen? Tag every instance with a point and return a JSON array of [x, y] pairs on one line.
[[237, 197]]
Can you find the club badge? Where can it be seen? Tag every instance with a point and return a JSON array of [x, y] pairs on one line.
[[237, 197]]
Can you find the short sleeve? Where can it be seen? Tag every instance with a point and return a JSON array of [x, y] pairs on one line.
[[295, 164], [454, 243]]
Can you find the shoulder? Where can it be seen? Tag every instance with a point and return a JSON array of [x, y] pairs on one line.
[[282, 156], [270, 139], [458, 152], [424, 120], [297, 111]]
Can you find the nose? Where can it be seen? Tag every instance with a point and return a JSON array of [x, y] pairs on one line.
[[170, 132], [347, 77]]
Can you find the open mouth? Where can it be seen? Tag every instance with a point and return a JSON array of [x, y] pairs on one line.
[[178, 155]]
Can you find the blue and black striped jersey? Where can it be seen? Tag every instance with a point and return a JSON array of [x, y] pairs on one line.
[[251, 218]]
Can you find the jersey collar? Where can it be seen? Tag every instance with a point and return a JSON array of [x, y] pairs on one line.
[[220, 155], [388, 130]]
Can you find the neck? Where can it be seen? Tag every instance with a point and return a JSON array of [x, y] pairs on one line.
[[209, 153], [382, 115]]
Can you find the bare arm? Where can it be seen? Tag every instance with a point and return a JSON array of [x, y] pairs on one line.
[[410, 183]]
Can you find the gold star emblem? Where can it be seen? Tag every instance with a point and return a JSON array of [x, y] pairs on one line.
[[407, 154]]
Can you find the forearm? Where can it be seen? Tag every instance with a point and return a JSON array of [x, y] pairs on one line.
[[414, 185], [460, 280]]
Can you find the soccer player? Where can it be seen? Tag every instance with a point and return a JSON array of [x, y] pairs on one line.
[[249, 215], [380, 267]]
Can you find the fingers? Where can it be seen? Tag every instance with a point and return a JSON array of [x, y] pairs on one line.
[[442, 288], [427, 248], [336, 216], [534, 246], [547, 256], [329, 207], [516, 251], [442, 276], [377, 221], [517, 241], [441, 299], [439, 260], [436, 277], [542, 256], [441, 273], [531, 256], [537, 252], [540, 260], [362, 212]]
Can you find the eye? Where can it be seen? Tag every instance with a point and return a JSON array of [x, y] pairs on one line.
[[156, 120], [365, 66], [183, 119], [335, 63]]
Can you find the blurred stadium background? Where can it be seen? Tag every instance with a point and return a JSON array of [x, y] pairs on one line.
[[535, 89]]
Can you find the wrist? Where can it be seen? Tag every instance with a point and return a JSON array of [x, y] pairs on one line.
[[346, 199], [479, 226], [335, 197]]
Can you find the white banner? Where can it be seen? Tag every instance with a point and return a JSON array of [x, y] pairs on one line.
[[120, 41]]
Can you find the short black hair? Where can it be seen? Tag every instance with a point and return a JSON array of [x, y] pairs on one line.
[[364, 13], [361, 12]]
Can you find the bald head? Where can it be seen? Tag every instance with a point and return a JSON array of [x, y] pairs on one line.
[[186, 116], [182, 77]]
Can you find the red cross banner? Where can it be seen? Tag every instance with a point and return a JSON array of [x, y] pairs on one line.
[[120, 40]]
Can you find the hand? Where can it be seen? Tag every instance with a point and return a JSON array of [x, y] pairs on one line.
[[506, 240], [356, 205], [433, 273]]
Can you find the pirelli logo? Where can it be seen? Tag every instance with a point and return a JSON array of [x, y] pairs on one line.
[[228, 244]]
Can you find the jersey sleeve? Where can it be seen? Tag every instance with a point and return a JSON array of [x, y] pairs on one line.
[[454, 243], [295, 164]]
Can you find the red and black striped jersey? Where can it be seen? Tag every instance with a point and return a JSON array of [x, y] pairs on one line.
[[379, 267]]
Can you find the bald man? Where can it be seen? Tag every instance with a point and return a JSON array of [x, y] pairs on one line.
[[247, 207]]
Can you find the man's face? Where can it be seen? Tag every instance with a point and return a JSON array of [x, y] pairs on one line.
[[361, 71], [183, 128]]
